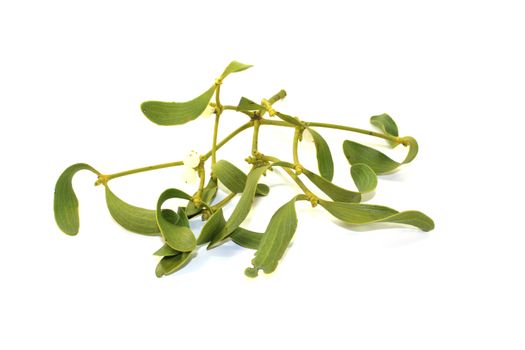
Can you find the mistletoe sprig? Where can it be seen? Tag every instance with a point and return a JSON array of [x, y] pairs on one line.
[[180, 243]]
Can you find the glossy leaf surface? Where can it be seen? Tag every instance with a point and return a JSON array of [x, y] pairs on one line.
[[177, 113], [65, 203], [354, 213], [275, 240]]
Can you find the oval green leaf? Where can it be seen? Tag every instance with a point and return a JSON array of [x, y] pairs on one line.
[[324, 156], [132, 218], [243, 207], [177, 113], [354, 213], [178, 236], [275, 240], [378, 161], [65, 203], [246, 104], [364, 177], [234, 179]]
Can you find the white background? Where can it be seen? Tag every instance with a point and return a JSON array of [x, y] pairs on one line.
[[451, 73]]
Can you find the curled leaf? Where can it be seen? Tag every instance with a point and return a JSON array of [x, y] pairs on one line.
[[378, 161], [275, 240], [234, 179], [364, 177], [324, 156], [354, 213], [177, 113], [242, 208], [385, 123], [65, 203], [178, 236], [132, 218]]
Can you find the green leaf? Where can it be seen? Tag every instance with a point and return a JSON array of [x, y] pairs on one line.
[[242, 208], [65, 202], [234, 179], [212, 227], [275, 240], [246, 238], [132, 218], [324, 156], [234, 67], [331, 190], [178, 236], [353, 213], [378, 161], [166, 250], [385, 123], [364, 177], [248, 105], [177, 113], [170, 264], [207, 196]]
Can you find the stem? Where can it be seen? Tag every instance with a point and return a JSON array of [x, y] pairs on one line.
[[295, 145], [360, 131], [298, 182], [140, 170], [229, 137], [214, 140], [223, 202], [334, 126], [278, 96], [105, 178], [255, 140]]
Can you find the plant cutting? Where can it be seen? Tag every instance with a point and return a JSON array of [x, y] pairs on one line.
[[179, 243]]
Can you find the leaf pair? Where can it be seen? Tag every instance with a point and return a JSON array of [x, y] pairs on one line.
[[177, 113], [357, 153]]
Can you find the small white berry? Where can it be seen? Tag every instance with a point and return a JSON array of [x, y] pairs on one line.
[[189, 175], [192, 160]]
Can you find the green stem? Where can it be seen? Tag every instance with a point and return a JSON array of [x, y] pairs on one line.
[[255, 139], [229, 137], [278, 96], [140, 170], [295, 146], [223, 202], [214, 140]]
